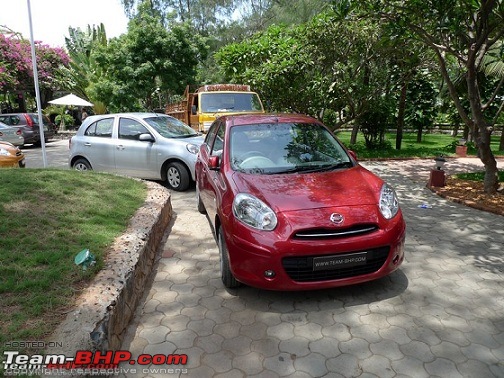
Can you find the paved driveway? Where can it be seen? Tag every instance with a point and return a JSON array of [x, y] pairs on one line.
[[440, 315], [56, 155]]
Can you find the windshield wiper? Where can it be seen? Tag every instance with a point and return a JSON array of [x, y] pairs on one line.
[[319, 168], [184, 136]]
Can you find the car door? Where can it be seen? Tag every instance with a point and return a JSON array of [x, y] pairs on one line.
[[97, 145], [134, 157], [209, 183]]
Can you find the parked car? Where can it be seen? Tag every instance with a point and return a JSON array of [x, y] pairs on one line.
[[11, 156], [28, 123], [291, 208], [11, 134], [144, 145]]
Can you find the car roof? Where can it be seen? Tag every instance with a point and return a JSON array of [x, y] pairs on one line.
[[247, 119], [131, 114], [141, 115]]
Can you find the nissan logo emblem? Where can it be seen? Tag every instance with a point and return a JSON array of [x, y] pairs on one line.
[[337, 218]]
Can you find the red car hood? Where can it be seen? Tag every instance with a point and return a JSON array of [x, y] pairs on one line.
[[298, 191]]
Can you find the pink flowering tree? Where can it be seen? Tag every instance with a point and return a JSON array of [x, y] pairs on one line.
[[16, 70]]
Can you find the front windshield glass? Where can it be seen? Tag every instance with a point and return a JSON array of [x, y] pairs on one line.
[[170, 127], [215, 102], [285, 148]]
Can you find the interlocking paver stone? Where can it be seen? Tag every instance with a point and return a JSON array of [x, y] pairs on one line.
[[440, 315]]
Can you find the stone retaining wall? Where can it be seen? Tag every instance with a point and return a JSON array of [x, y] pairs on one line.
[[105, 309]]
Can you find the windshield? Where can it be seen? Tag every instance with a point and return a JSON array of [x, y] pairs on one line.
[[170, 127], [215, 102], [285, 148]]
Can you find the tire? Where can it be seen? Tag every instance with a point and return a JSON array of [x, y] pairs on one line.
[[201, 207], [82, 165], [177, 177], [226, 275]]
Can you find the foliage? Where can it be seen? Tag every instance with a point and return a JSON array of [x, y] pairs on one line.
[[456, 31], [148, 57], [275, 64], [64, 119], [16, 70], [374, 122], [83, 69], [202, 15], [421, 101], [327, 64]]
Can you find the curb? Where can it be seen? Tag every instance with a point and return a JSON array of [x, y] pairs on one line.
[[104, 310]]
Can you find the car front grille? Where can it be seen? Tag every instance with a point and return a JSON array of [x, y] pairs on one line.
[[300, 269], [356, 230]]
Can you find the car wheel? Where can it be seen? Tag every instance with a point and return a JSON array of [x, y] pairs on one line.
[[81, 165], [177, 177], [201, 207], [226, 275]]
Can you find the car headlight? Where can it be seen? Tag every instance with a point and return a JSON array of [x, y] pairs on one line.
[[254, 212], [192, 148], [389, 204], [4, 152]]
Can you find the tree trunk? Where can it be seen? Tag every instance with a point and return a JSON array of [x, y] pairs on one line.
[[419, 134], [501, 143], [355, 130], [482, 133], [400, 116]]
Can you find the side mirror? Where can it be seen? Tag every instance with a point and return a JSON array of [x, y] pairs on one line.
[[353, 154], [146, 138], [214, 163], [193, 110]]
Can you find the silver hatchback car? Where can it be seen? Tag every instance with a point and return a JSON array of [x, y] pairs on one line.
[[150, 146]]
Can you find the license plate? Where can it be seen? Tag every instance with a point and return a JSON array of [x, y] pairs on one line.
[[339, 261]]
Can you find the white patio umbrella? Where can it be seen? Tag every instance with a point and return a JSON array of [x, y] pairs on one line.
[[70, 99]]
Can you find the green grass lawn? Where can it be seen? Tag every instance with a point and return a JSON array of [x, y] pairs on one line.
[[432, 145], [47, 217], [477, 176]]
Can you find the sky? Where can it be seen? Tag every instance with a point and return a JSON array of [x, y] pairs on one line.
[[52, 18]]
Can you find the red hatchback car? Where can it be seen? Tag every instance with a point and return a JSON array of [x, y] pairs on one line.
[[291, 208]]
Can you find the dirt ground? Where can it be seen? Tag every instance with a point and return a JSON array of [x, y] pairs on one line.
[[471, 194]]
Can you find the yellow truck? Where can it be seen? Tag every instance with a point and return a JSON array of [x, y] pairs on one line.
[[201, 107]]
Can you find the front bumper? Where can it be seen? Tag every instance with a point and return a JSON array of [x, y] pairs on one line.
[[296, 263]]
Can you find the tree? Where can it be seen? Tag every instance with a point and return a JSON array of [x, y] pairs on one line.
[[421, 104], [144, 62], [461, 31], [275, 64], [202, 15], [16, 69], [81, 46], [329, 63]]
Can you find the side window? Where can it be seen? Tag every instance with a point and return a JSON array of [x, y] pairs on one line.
[[218, 145], [131, 129], [209, 139], [101, 128], [10, 120]]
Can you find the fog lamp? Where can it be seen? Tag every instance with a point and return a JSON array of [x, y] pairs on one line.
[[269, 273]]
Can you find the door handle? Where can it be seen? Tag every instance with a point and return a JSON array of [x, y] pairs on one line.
[[120, 147]]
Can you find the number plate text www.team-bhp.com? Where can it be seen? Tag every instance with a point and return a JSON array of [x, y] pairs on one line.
[[339, 261]]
